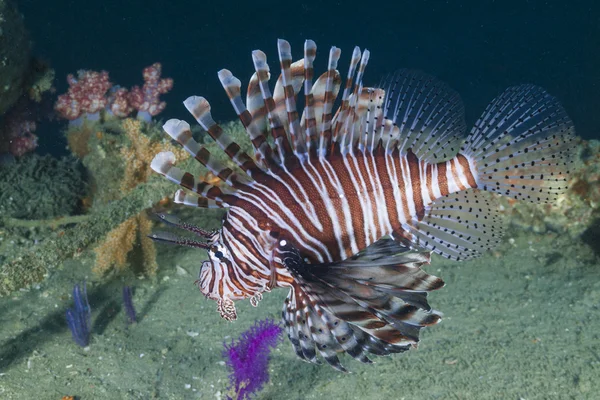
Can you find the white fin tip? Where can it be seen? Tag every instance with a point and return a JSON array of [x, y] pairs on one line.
[[162, 162]]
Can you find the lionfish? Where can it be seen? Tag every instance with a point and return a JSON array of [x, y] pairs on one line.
[[344, 202]]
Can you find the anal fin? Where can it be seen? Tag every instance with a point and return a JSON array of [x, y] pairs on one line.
[[459, 226]]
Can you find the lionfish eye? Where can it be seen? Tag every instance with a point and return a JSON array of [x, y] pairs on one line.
[[217, 253]]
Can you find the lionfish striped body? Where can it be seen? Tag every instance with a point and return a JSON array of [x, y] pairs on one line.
[[344, 207]]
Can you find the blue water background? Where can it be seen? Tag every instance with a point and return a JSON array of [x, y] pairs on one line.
[[478, 47]]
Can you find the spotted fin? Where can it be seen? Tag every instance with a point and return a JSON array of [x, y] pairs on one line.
[[523, 145], [428, 114], [374, 302], [459, 226]]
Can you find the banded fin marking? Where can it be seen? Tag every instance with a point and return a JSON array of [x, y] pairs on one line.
[[256, 131], [332, 334], [277, 130], [429, 115], [522, 145], [294, 317], [199, 107], [180, 131], [164, 164], [308, 115], [364, 294], [357, 107], [258, 109], [331, 91], [193, 200], [319, 93], [342, 113], [287, 87]]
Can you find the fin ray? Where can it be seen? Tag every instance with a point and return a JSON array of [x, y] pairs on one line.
[[460, 226], [256, 132], [523, 145], [429, 115], [361, 294]]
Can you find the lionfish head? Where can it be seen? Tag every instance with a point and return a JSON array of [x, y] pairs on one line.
[[212, 271], [213, 279], [217, 279]]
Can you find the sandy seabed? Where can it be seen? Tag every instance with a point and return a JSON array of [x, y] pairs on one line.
[[519, 323]]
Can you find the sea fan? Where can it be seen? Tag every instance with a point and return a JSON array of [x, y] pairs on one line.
[[248, 358]]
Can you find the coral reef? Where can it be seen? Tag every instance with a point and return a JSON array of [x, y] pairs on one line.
[[146, 99], [248, 359], [39, 187], [133, 159], [31, 265], [140, 151], [19, 123], [117, 154], [98, 146], [86, 96], [576, 210], [41, 80], [121, 242], [92, 96], [18, 135], [68, 237]]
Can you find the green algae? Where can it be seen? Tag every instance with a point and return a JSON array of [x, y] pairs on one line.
[[31, 266], [40, 187]]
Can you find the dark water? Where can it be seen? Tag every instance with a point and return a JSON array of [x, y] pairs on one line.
[[478, 47], [519, 323]]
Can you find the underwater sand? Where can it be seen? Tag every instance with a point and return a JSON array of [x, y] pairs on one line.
[[519, 324]]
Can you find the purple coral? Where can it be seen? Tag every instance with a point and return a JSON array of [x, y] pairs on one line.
[[248, 358], [79, 317]]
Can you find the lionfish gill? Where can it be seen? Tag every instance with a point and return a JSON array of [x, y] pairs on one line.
[[344, 200]]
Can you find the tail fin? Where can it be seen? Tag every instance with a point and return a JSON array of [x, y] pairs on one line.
[[522, 145]]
